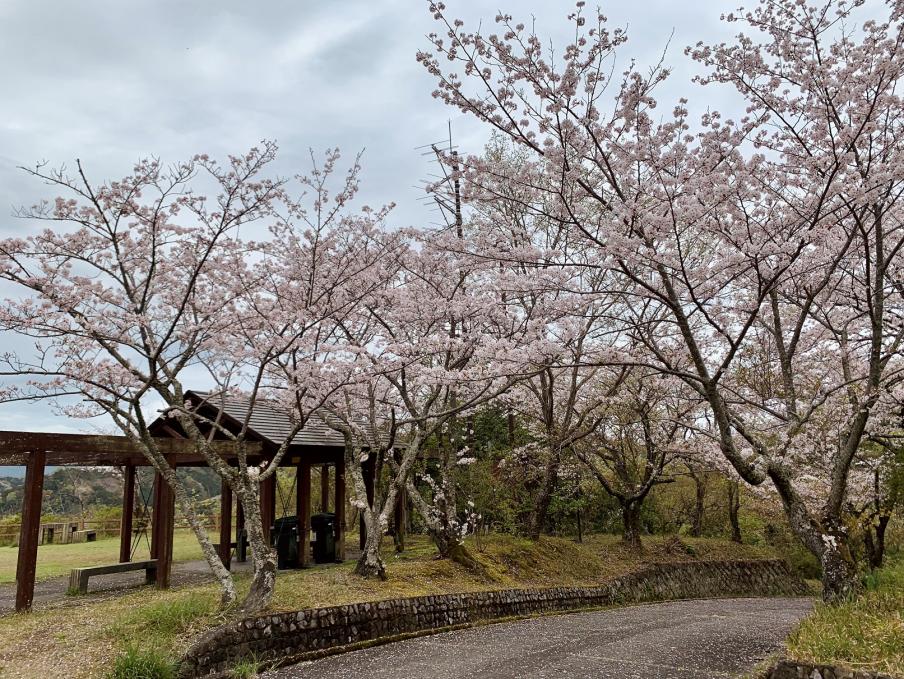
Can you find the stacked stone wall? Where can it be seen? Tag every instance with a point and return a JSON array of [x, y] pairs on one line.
[[286, 637], [791, 669]]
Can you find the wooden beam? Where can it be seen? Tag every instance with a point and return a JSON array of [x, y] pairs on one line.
[[128, 512], [303, 511], [17, 446], [29, 532], [325, 488], [225, 524], [340, 509]]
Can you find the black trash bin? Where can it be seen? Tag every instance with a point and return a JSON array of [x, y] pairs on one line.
[[285, 538], [324, 544]]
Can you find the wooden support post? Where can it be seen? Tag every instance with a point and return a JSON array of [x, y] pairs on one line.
[[325, 488], [368, 469], [165, 568], [268, 504], [340, 510], [225, 524], [241, 553], [29, 531], [128, 513], [162, 530], [303, 510]]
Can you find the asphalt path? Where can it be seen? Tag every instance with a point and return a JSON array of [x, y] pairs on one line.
[[674, 640]]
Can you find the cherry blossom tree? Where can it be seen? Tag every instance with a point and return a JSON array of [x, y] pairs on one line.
[[564, 335], [129, 299], [781, 227], [472, 348], [643, 428], [296, 288], [420, 355], [153, 286]]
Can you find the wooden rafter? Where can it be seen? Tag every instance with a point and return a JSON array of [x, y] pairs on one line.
[[99, 450]]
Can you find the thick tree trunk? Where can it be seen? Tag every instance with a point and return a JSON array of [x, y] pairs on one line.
[[371, 564], [839, 572], [398, 539], [734, 507], [450, 546], [827, 540], [874, 541], [263, 557], [631, 525], [699, 504], [400, 523], [544, 496], [442, 528]]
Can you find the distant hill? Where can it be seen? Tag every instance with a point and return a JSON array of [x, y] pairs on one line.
[[12, 472], [71, 491]]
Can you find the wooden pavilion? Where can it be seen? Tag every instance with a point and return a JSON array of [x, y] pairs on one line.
[[315, 444]]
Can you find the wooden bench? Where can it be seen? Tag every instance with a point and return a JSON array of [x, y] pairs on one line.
[[78, 578]]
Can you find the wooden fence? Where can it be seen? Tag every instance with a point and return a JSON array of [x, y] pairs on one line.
[[9, 533]]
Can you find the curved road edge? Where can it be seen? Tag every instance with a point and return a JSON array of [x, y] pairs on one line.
[[693, 639]]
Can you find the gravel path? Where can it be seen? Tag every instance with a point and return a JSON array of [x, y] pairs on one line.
[[676, 640], [51, 593]]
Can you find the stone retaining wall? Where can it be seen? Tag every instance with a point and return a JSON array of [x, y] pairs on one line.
[[284, 637], [791, 669]]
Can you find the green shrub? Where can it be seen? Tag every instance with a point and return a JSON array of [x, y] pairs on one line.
[[803, 563], [872, 580], [137, 663], [753, 528], [246, 668]]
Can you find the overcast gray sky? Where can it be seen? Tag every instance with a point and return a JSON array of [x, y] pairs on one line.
[[109, 81]]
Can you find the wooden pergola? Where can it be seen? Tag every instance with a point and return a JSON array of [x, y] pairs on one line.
[[316, 444]]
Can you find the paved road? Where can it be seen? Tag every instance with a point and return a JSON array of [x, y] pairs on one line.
[[677, 640]]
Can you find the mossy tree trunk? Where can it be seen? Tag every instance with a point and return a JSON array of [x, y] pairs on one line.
[[734, 508], [548, 483], [263, 556], [631, 524]]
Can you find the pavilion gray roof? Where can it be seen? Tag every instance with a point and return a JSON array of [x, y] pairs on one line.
[[272, 423]]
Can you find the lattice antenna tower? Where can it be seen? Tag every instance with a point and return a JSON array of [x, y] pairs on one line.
[[442, 188]]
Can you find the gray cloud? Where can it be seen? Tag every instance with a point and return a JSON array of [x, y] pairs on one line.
[[110, 81]]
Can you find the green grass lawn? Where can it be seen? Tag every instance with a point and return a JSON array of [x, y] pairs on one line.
[[83, 641], [866, 633], [56, 560]]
